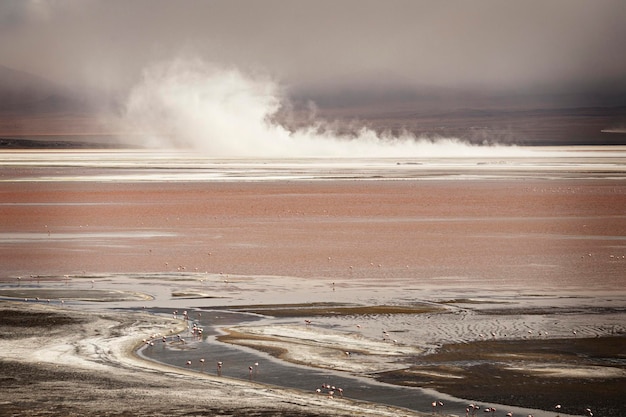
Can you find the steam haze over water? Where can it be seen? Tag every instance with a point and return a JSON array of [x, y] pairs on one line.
[[224, 113], [279, 78]]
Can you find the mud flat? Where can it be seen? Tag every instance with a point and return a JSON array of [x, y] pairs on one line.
[[506, 245], [321, 348], [577, 373], [63, 294], [525, 370], [47, 352]]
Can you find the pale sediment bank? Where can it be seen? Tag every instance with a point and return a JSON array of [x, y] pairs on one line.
[[538, 373], [59, 361], [59, 295], [531, 371], [323, 348]]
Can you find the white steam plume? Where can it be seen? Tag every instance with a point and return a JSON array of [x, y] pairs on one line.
[[225, 113]]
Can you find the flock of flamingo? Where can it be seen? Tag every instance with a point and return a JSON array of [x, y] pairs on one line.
[[472, 408], [196, 331], [329, 390]]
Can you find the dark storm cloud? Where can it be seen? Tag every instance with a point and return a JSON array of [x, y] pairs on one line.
[[557, 46]]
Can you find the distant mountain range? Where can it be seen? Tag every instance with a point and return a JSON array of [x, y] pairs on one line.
[[22, 92], [34, 106]]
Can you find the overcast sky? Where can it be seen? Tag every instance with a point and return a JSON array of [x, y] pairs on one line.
[[559, 46]]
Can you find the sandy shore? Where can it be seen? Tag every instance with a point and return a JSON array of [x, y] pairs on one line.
[[49, 352]]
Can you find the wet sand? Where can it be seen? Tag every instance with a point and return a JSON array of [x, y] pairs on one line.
[[368, 242], [580, 373], [66, 362], [528, 370]]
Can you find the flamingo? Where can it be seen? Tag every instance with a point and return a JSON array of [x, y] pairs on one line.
[[219, 368], [201, 364], [558, 406]]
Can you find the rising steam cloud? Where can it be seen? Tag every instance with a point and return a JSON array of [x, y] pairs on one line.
[[225, 113]]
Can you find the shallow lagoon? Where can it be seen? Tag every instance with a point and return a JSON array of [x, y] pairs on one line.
[[532, 249]]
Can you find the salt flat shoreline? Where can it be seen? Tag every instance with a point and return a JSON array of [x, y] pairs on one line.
[[531, 242], [91, 355], [47, 349]]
